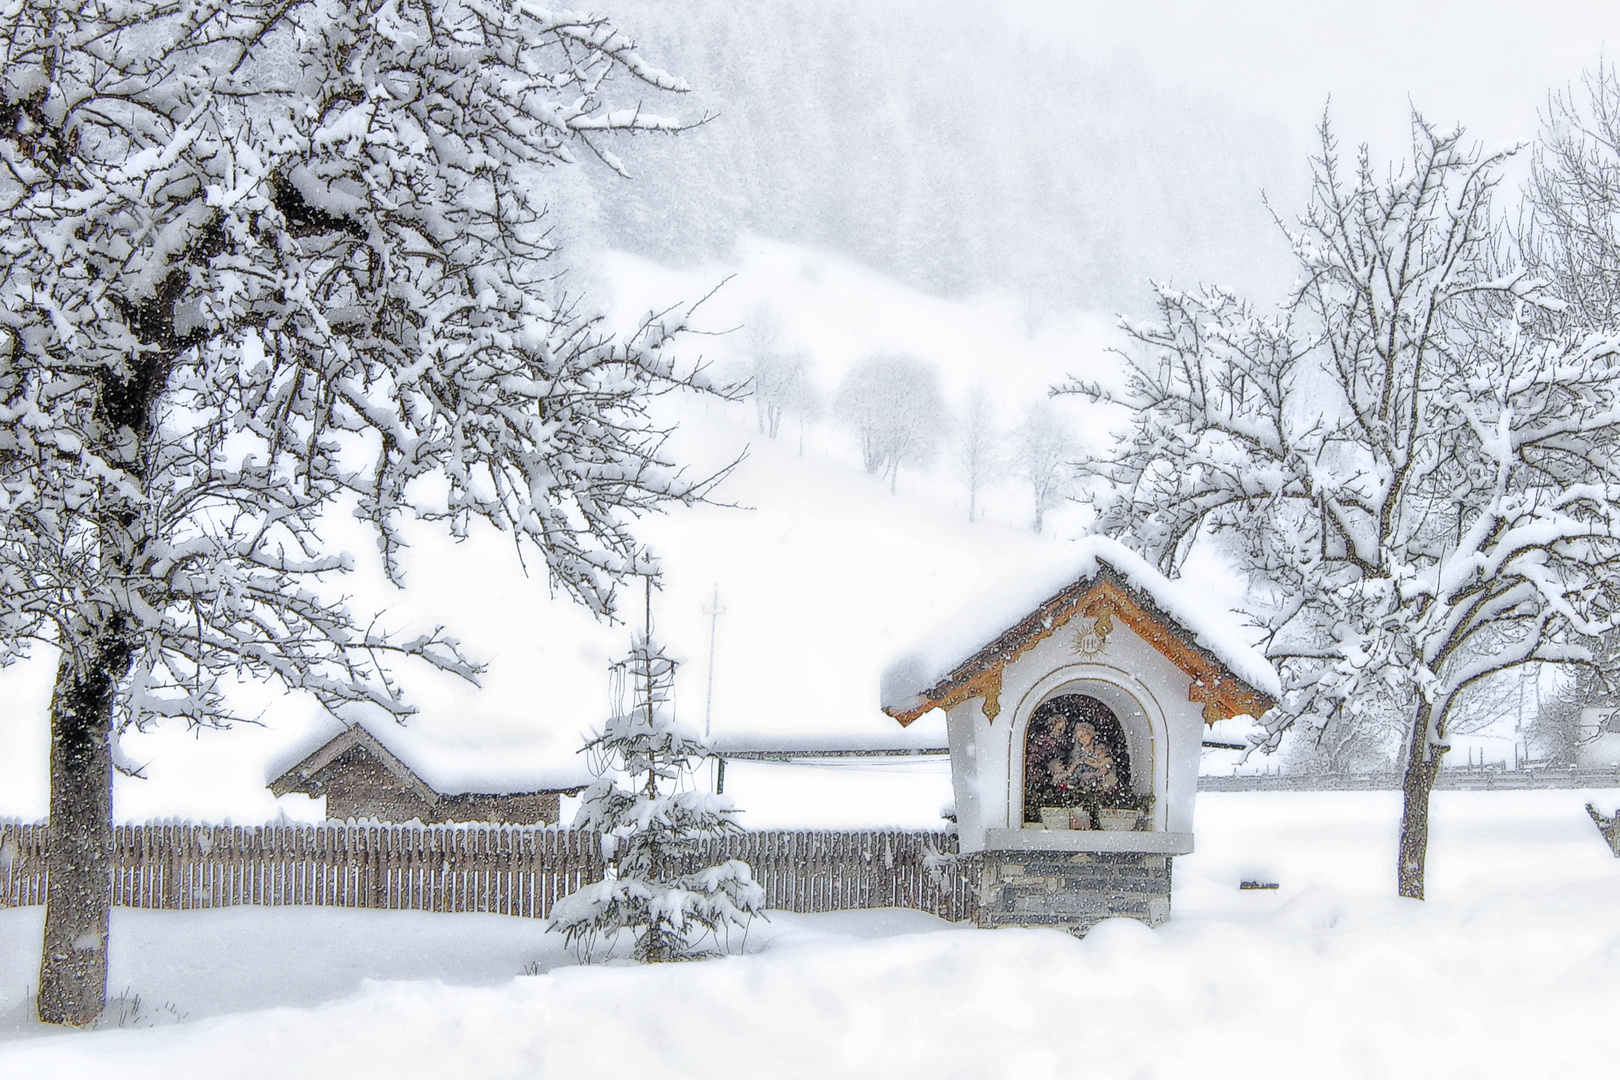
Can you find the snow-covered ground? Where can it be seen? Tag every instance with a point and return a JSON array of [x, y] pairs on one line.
[[1511, 968]]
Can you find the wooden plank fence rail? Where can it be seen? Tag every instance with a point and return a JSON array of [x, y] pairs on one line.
[[500, 869]]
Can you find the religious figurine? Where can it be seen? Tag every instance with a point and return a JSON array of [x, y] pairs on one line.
[[1090, 766], [1069, 759]]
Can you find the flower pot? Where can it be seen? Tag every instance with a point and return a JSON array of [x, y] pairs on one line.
[[1118, 820], [1080, 819], [1055, 817]]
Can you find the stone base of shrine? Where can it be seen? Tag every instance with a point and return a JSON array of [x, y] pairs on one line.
[[1073, 890]]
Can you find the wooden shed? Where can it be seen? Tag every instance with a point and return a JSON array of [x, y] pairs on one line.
[[1075, 705], [362, 778]]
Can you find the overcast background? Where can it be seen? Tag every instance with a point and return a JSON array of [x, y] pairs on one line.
[[1065, 152]]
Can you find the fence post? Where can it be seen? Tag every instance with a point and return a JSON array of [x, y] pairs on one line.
[[168, 866], [371, 840]]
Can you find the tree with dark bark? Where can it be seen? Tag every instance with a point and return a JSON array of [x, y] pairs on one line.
[[1413, 459], [259, 263]]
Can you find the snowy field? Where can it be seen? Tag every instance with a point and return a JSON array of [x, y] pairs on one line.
[[1512, 968]]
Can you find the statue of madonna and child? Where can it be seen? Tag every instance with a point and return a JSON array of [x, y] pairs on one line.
[[1075, 756]]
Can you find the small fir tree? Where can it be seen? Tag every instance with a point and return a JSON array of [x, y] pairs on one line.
[[654, 833]]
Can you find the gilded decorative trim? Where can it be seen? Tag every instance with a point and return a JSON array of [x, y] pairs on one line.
[[1222, 693]]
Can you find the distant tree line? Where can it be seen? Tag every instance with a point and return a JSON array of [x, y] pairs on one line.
[[952, 151], [893, 408]]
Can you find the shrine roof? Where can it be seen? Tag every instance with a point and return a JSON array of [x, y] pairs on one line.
[[1008, 619]]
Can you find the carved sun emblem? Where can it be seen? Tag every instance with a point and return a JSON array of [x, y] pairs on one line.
[[1090, 637]]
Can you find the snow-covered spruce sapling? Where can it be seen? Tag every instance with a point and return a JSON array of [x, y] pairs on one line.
[[261, 263], [655, 831]]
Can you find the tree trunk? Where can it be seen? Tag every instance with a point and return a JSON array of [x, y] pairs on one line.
[[78, 892], [1422, 765]]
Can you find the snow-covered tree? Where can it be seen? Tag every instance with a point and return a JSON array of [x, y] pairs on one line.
[[1369, 745], [807, 404], [1569, 234], [781, 387], [260, 262], [1553, 721], [1413, 459], [1570, 231], [655, 830], [777, 378], [976, 447], [894, 407], [1044, 450]]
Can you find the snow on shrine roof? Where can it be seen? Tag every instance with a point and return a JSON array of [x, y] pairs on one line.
[[959, 640]]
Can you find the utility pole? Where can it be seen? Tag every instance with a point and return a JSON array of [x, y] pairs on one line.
[[646, 656], [713, 611]]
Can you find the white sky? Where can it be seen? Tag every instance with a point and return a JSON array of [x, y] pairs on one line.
[[1486, 65]]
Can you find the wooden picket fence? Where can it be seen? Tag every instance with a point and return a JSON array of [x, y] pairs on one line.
[[484, 868], [842, 871]]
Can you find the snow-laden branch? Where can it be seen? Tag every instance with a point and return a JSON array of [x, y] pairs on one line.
[[265, 262], [1413, 459]]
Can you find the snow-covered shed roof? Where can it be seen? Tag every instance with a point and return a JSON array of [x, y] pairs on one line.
[[1097, 577], [307, 770]]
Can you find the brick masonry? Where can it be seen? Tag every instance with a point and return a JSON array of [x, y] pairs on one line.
[[1072, 890]]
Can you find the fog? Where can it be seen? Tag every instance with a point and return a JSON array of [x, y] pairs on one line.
[[1064, 153]]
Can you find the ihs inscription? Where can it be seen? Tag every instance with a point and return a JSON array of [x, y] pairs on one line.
[[1090, 638]]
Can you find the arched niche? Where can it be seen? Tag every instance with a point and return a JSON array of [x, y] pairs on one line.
[[1130, 704]]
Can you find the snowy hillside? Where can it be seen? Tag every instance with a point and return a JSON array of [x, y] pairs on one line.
[[823, 575]]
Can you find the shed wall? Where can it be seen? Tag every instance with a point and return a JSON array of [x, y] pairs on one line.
[[357, 785]]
